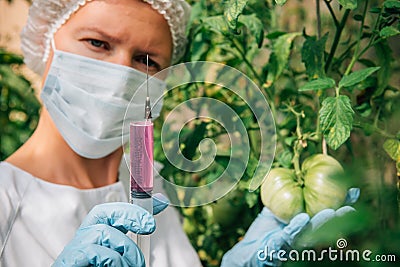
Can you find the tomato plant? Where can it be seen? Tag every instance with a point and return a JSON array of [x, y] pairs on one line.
[[329, 70]]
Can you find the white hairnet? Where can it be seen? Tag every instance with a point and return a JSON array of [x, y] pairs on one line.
[[47, 16]]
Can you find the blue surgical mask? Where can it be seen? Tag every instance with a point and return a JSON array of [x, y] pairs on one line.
[[92, 102]]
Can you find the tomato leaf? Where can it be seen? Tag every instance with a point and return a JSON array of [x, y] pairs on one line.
[[313, 54], [233, 10], [318, 84], [280, 2], [348, 4], [388, 31], [251, 199], [254, 25], [285, 158], [216, 24], [392, 4], [336, 118], [392, 147], [280, 56], [356, 77]]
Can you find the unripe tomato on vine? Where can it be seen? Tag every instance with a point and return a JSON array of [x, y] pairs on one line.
[[317, 187]]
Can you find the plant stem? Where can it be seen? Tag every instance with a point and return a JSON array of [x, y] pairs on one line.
[[318, 10], [324, 146], [335, 20], [337, 91], [248, 63], [298, 145], [356, 55], [318, 130], [296, 160], [260, 81], [346, 52], [370, 44], [373, 41], [338, 33], [373, 128], [319, 136]]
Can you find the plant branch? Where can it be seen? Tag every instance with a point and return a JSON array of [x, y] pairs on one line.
[[373, 41], [318, 10], [373, 128], [299, 144], [248, 63], [346, 52], [319, 135], [296, 161], [356, 55], [338, 33], [335, 20], [370, 44], [324, 146]]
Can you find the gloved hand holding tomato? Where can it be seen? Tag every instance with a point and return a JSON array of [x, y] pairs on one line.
[[290, 201]]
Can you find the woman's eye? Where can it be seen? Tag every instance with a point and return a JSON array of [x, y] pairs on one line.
[[98, 43], [152, 64]]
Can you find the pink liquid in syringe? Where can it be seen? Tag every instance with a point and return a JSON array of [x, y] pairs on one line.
[[141, 154]]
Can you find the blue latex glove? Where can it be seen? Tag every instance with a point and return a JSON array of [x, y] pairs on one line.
[[307, 238], [267, 234], [101, 239], [265, 231]]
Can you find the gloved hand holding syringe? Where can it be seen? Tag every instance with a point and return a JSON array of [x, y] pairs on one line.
[[141, 168]]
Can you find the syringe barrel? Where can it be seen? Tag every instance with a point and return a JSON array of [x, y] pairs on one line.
[[141, 154]]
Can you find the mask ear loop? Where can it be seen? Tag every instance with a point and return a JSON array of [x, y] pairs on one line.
[[53, 45]]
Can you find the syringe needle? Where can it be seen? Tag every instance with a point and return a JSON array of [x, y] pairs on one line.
[[147, 109], [147, 75]]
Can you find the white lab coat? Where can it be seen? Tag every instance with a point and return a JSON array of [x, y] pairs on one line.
[[38, 218]]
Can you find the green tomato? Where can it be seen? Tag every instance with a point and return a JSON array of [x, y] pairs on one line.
[[282, 194], [318, 188], [322, 187]]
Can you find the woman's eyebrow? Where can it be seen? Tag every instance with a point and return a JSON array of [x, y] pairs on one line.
[[100, 32]]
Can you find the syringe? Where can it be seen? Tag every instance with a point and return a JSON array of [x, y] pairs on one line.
[[141, 164]]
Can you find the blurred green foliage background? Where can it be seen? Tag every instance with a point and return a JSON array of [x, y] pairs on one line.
[[19, 107]]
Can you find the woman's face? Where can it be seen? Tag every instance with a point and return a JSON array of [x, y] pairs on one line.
[[118, 31]]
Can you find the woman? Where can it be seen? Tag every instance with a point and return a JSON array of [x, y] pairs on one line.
[[83, 49]]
